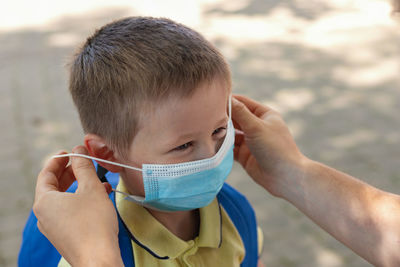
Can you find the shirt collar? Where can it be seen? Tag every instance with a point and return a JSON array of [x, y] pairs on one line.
[[150, 234]]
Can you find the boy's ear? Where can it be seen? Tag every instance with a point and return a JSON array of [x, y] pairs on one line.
[[99, 149]]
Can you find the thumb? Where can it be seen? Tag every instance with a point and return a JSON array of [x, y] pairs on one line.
[[241, 115], [84, 170]]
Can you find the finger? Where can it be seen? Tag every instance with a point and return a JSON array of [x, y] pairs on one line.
[[242, 155], [255, 107], [239, 138], [236, 150], [84, 170], [236, 125], [243, 117], [66, 179], [48, 178]]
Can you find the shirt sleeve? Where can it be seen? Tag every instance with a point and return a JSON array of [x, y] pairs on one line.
[[260, 240], [63, 263]]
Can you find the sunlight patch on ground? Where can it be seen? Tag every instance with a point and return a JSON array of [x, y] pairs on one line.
[[341, 101], [353, 139], [328, 258], [351, 30], [291, 99], [64, 39], [279, 25], [368, 75], [341, 26], [337, 27], [20, 14], [283, 69]]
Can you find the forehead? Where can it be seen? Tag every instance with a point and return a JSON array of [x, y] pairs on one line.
[[197, 112]]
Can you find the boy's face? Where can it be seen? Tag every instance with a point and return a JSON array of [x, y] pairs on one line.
[[179, 129]]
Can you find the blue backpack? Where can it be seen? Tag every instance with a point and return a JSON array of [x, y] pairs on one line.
[[36, 249]]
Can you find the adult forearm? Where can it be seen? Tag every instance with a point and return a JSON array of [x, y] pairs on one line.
[[360, 216]]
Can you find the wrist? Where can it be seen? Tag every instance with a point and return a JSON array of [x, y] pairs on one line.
[[104, 256], [290, 179], [101, 260]]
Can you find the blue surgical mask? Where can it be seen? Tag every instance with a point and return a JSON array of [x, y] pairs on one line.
[[183, 186]]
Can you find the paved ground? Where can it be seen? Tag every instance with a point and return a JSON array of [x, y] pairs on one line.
[[330, 67]]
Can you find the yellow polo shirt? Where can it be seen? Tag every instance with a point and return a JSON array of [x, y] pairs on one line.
[[218, 243]]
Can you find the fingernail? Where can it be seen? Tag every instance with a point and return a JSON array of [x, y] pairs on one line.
[[239, 132], [61, 152], [235, 101], [79, 150]]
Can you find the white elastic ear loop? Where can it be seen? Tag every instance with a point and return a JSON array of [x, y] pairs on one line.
[[97, 159], [230, 106]]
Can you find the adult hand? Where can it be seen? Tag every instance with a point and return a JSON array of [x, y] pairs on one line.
[[359, 215], [82, 226], [264, 146]]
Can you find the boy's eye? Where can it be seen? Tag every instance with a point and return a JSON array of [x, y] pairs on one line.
[[184, 146], [220, 132]]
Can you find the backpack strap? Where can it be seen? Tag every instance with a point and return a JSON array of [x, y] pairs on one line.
[[243, 217], [101, 173], [124, 240]]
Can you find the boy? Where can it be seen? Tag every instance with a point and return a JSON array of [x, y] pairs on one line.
[[154, 94]]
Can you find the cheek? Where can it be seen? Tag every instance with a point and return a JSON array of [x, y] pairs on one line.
[[133, 182]]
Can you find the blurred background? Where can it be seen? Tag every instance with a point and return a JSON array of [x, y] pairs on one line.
[[330, 67]]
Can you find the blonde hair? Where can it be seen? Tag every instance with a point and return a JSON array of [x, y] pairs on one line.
[[135, 60]]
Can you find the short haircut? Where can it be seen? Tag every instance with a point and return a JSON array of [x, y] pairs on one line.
[[129, 63]]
